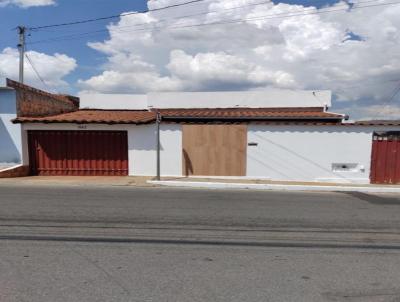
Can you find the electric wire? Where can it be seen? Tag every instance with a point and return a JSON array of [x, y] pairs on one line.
[[216, 11], [194, 15], [310, 11], [36, 72], [115, 16], [221, 22], [386, 103]]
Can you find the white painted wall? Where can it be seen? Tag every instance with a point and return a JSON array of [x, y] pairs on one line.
[[10, 134], [171, 150], [221, 99], [287, 153], [142, 152], [113, 101], [306, 153], [270, 98], [144, 146]]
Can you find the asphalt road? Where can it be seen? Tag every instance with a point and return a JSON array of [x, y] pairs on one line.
[[150, 244]]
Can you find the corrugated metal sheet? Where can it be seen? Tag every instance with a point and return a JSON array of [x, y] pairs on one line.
[[78, 153], [385, 167]]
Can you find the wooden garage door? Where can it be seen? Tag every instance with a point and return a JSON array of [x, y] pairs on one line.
[[214, 150], [385, 164], [78, 153]]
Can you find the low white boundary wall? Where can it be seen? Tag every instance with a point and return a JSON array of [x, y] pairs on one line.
[[308, 153], [141, 142], [286, 153]]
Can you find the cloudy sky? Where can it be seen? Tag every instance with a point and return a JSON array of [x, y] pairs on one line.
[[351, 48]]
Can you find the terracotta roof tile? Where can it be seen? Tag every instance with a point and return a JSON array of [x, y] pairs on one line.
[[250, 113], [95, 117], [87, 116]]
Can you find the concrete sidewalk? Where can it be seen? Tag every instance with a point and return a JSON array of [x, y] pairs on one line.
[[204, 183], [258, 184], [79, 181]]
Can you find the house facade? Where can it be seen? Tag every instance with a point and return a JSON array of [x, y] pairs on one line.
[[274, 134], [21, 100]]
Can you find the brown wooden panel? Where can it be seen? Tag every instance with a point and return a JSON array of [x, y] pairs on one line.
[[78, 153], [385, 164], [214, 150]]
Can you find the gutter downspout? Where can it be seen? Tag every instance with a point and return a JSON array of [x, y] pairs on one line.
[[158, 121]]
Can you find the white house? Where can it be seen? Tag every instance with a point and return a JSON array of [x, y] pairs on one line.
[[10, 134], [274, 134]]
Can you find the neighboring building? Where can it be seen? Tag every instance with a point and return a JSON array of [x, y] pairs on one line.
[[20, 100], [274, 134], [10, 134]]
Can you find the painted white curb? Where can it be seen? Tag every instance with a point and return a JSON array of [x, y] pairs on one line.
[[10, 168], [274, 187]]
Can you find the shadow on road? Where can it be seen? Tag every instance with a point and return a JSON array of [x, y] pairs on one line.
[[376, 200]]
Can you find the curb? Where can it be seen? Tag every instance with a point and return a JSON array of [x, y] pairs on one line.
[[9, 168], [274, 187], [14, 172]]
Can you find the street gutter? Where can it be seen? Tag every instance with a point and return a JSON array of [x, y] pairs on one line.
[[277, 187]]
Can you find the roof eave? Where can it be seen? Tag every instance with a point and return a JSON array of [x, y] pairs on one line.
[[330, 118], [16, 121]]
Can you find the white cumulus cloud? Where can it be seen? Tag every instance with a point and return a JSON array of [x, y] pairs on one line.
[[51, 68], [27, 3], [353, 52]]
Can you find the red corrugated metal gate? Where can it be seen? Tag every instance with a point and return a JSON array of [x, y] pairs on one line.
[[385, 166], [78, 153]]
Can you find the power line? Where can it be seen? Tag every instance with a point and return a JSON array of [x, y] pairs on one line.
[[213, 11], [36, 72], [201, 13], [227, 21], [396, 90], [114, 16], [205, 13], [287, 16], [163, 20], [392, 96]]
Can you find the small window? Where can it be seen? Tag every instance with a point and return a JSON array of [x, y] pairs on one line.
[[345, 167]]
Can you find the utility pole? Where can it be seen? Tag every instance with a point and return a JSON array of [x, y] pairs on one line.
[[158, 177], [21, 48]]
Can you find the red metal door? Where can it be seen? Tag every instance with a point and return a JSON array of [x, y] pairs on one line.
[[78, 153], [385, 166]]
